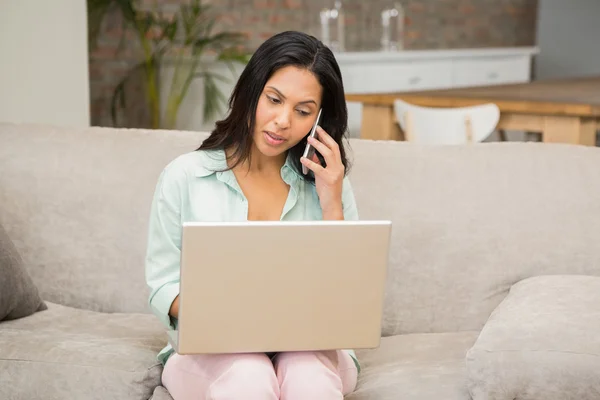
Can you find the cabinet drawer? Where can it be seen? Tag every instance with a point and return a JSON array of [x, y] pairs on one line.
[[397, 77], [490, 71]]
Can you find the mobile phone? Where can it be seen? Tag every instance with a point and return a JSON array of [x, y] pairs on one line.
[[309, 150]]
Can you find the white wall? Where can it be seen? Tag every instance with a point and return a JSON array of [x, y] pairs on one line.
[[568, 35], [44, 62]]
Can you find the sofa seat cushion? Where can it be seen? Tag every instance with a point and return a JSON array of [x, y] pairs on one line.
[[416, 366], [541, 342], [67, 353]]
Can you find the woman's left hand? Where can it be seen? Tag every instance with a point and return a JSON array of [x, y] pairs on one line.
[[329, 179]]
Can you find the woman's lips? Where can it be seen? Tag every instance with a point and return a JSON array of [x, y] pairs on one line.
[[273, 139]]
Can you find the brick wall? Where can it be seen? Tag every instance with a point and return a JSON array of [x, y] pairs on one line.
[[430, 24]]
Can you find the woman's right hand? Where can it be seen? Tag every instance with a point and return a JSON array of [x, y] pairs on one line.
[[174, 310]]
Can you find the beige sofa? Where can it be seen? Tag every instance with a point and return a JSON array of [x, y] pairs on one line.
[[493, 287]]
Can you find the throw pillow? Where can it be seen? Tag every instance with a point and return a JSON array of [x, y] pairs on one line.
[[541, 342], [19, 297]]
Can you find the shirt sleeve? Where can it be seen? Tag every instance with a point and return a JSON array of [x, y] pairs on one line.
[[164, 246], [348, 202]]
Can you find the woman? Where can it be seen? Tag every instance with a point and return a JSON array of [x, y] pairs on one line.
[[249, 168]]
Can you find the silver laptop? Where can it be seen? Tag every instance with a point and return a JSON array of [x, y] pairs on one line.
[[281, 286]]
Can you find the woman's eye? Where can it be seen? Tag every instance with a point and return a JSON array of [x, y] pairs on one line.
[[274, 100], [304, 113]]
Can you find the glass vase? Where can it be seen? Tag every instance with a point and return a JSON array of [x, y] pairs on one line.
[[332, 27], [392, 24]]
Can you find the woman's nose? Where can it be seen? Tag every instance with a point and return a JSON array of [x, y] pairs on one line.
[[283, 119]]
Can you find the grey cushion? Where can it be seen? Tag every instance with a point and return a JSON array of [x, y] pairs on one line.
[[19, 297], [415, 367], [542, 342], [66, 353]]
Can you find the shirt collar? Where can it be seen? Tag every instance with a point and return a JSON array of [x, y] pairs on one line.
[[213, 161], [289, 170], [210, 162]]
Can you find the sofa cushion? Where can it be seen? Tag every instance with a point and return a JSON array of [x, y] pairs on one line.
[[541, 342], [19, 296], [415, 366], [66, 353]]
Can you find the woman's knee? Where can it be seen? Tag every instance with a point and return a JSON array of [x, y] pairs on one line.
[[250, 377], [308, 375], [215, 377]]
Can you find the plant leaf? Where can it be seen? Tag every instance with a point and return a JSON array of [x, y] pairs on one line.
[[97, 10], [213, 75], [118, 98], [213, 97], [170, 29]]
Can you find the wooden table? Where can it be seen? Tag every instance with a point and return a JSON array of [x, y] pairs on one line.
[[563, 111]]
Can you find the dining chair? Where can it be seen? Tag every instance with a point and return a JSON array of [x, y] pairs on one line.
[[460, 125]]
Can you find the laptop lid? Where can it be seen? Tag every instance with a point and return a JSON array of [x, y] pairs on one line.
[[273, 286]]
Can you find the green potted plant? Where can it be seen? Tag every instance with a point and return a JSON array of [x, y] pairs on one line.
[[185, 41]]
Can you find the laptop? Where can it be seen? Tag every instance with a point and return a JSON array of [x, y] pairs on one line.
[[274, 286]]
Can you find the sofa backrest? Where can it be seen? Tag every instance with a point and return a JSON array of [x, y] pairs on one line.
[[76, 203], [468, 221]]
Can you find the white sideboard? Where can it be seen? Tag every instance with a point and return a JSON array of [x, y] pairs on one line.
[[408, 70], [415, 70]]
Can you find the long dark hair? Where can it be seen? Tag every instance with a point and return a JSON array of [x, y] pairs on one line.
[[289, 48]]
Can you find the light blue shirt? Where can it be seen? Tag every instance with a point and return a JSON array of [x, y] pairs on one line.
[[197, 187]]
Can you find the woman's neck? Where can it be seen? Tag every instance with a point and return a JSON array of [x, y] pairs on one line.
[[259, 164]]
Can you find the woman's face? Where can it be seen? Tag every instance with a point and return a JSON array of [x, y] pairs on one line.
[[287, 109]]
